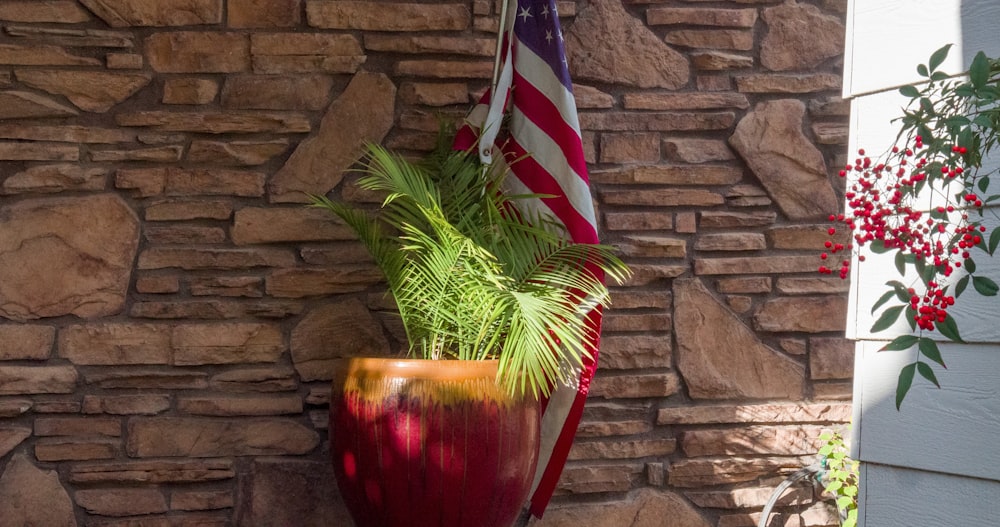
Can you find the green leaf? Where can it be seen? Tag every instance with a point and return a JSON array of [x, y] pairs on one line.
[[938, 57], [961, 285], [900, 262], [970, 265], [922, 70], [927, 373], [983, 184], [901, 342], [882, 300], [904, 383], [929, 349], [879, 247], [985, 286], [888, 318], [994, 240], [909, 91], [979, 70], [949, 329]]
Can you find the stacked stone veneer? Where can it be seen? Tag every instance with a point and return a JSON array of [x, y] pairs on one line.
[[170, 309]]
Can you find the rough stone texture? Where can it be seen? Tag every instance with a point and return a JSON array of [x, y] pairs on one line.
[[54, 178], [403, 16], [199, 437], [336, 331], [26, 342], [805, 314], [263, 13], [121, 501], [317, 165], [770, 140], [198, 52], [58, 11], [20, 104], [92, 91], [633, 55], [276, 225], [11, 437], [799, 37], [127, 13], [189, 91], [32, 496], [642, 508], [831, 358], [276, 92], [289, 492], [721, 358], [66, 256]]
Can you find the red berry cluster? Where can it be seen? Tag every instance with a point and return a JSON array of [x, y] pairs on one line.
[[880, 203]]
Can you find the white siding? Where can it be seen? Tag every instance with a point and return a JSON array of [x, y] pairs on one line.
[[898, 496]]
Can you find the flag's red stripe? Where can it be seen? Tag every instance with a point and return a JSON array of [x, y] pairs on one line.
[[539, 109], [539, 181]]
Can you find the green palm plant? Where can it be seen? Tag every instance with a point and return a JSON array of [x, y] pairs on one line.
[[473, 276]]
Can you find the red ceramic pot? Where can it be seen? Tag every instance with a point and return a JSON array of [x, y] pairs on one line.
[[421, 443]]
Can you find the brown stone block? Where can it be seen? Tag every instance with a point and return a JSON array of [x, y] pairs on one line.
[[642, 507], [421, 44], [78, 426], [662, 197], [263, 13], [115, 344], [58, 11], [11, 437], [77, 38], [137, 378], [235, 153], [444, 69], [831, 358], [630, 148], [745, 285], [125, 404], [251, 380], [653, 247], [226, 343], [92, 91], [622, 449], [813, 285], [300, 283], [26, 342], [748, 497], [623, 352], [200, 500], [157, 154], [814, 314], [755, 413], [234, 286], [799, 37], [697, 150], [41, 55], [52, 450], [182, 209], [787, 83], [840, 391], [720, 61], [754, 440], [806, 237], [730, 39], [656, 121], [727, 470], [189, 91], [590, 97], [241, 406], [686, 175], [206, 258], [254, 92], [196, 437], [55, 178], [625, 321], [198, 52], [124, 61], [577, 479], [646, 274], [831, 133], [335, 331], [55, 406], [731, 241], [290, 492], [434, 94], [14, 407], [624, 298], [658, 16], [613, 428], [214, 309], [685, 101], [32, 496], [217, 123], [24, 380], [152, 472], [121, 501], [130, 13], [729, 220], [635, 385], [755, 265], [369, 16], [831, 106], [13, 151], [68, 134], [278, 225], [638, 221], [183, 234]]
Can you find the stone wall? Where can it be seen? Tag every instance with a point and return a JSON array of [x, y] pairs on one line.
[[169, 308]]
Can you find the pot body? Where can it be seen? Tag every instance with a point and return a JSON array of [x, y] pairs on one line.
[[422, 443]]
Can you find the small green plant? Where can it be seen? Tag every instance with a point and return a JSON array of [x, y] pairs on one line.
[[840, 477]]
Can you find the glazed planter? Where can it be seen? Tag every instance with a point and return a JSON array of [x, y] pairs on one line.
[[423, 443]]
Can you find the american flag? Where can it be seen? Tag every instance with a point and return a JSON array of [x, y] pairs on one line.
[[543, 137]]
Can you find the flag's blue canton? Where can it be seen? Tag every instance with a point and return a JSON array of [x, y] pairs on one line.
[[537, 27]]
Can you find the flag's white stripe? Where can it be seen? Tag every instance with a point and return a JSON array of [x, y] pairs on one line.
[[547, 153], [513, 186], [533, 69]]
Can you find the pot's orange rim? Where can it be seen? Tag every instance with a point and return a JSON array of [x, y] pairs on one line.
[[423, 368]]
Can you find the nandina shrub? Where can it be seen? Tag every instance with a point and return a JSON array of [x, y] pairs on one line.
[[925, 200]]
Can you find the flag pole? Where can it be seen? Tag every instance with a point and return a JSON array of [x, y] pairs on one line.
[[499, 48]]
